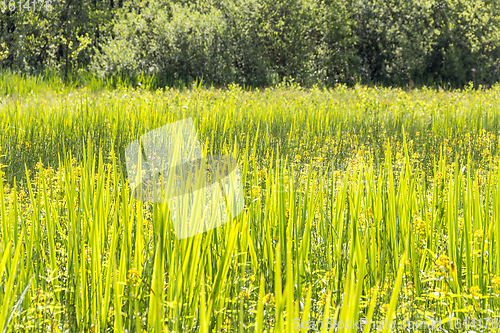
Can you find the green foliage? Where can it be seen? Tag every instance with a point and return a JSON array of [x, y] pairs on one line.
[[338, 58], [289, 31], [247, 55], [428, 41], [170, 41], [250, 42], [261, 42], [469, 43], [54, 35]]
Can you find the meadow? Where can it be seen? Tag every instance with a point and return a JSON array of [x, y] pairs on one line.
[[375, 204]]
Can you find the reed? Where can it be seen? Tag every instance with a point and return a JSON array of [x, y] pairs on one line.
[[360, 205]]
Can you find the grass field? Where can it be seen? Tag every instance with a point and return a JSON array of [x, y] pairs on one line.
[[360, 203]]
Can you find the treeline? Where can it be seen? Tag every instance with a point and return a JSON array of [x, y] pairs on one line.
[[259, 42]]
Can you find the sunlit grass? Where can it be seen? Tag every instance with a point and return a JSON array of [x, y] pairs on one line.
[[361, 203]]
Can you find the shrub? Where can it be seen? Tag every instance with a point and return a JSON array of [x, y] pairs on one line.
[[262, 42], [429, 41]]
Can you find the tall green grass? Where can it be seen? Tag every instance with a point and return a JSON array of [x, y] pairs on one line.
[[85, 255], [331, 124], [346, 218]]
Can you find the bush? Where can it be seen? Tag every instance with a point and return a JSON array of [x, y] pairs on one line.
[[170, 40], [338, 60], [262, 42], [428, 41], [53, 36], [248, 42]]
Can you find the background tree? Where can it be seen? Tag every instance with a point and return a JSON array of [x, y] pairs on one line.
[[259, 42]]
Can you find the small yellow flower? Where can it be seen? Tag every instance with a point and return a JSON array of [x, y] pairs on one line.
[[88, 253], [478, 235], [475, 291], [256, 191], [409, 290], [495, 282], [443, 261], [329, 275], [269, 298], [133, 276], [227, 323], [111, 315], [421, 227]]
